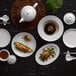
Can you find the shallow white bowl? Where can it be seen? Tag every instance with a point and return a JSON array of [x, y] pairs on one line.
[[69, 38], [5, 37], [56, 35], [50, 60]]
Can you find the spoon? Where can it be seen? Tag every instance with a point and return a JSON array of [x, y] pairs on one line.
[[4, 18], [68, 57]]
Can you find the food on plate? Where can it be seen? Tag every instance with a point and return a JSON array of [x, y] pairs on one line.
[[50, 28], [4, 55], [23, 47], [27, 38], [47, 53]]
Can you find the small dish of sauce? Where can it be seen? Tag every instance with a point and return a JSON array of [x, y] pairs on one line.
[[4, 54]]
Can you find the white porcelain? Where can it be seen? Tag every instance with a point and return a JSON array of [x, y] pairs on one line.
[[12, 59], [28, 13], [7, 52], [69, 18], [68, 57], [69, 38], [51, 59], [5, 37], [19, 38], [57, 34], [5, 19]]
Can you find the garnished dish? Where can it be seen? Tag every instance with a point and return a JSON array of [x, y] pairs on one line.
[[23, 47], [23, 44], [47, 54], [26, 38], [50, 28]]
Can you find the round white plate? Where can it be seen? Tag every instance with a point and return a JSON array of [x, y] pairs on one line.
[[19, 38], [50, 60], [5, 37], [55, 36], [69, 38]]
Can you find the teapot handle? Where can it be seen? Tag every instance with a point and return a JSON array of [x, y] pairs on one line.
[[35, 5]]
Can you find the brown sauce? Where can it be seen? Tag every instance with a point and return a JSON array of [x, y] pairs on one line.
[[3, 55], [50, 28]]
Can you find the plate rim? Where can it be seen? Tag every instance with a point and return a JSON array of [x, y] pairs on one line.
[[61, 27], [17, 35], [64, 39], [53, 44]]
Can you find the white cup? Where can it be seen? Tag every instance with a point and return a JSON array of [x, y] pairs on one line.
[[4, 59]]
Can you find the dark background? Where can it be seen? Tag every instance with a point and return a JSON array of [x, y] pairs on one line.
[[28, 66]]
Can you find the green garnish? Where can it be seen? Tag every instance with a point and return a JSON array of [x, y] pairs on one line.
[[54, 5], [47, 53]]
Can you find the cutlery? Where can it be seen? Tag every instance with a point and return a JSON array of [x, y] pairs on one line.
[[68, 57], [4, 18]]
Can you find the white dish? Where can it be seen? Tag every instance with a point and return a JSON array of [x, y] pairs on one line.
[[69, 18], [5, 37], [69, 38], [56, 35], [50, 60], [19, 38]]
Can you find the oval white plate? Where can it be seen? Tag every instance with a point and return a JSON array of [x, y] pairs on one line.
[[50, 60], [5, 37], [69, 38], [19, 38], [42, 23]]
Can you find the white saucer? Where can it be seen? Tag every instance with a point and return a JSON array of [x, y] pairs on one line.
[[41, 26], [19, 38], [69, 38], [51, 60], [4, 37]]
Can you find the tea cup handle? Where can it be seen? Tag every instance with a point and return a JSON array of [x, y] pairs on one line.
[[35, 5]]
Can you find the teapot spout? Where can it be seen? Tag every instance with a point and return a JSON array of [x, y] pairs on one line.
[[21, 20], [35, 5]]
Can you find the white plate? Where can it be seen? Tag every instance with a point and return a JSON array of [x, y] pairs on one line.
[[50, 60], [19, 38], [4, 37], [55, 36], [69, 38]]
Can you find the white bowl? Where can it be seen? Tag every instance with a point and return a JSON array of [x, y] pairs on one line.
[[8, 54], [57, 34]]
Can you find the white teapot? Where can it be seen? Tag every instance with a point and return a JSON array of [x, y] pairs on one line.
[[28, 13]]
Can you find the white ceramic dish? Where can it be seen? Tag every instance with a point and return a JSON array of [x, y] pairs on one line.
[[5, 51], [69, 38], [41, 26], [50, 60], [19, 38], [5, 37]]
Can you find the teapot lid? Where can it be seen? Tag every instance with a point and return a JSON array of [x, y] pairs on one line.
[[28, 13]]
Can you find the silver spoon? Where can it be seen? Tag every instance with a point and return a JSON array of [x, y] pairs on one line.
[[4, 18], [68, 57]]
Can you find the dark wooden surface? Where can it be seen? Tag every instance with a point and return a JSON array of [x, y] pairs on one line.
[[28, 66]]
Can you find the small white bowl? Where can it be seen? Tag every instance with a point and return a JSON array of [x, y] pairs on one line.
[[69, 18], [12, 59], [57, 34], [8, 54]]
